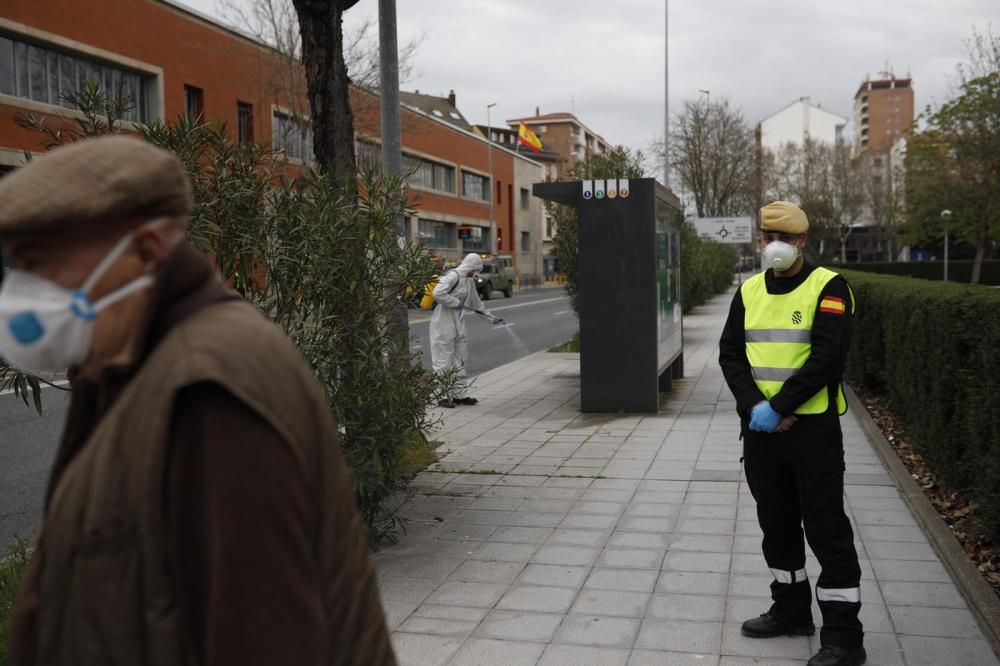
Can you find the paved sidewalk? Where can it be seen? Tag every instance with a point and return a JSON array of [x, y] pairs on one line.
[[546, 536]]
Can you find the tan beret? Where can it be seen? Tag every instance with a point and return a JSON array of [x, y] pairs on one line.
[[111, 178], [783, 216]]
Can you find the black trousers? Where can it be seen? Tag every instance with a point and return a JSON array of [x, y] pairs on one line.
[[797, 480]]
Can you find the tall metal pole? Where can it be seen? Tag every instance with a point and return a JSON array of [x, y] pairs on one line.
[[392, 139], [946, 217], [489, 160], [666, 92]]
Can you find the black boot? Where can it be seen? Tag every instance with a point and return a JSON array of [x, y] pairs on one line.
[[466, 401], [768, 626], [831, 655]]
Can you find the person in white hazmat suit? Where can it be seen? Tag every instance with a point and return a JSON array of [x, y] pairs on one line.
[[455, 294]]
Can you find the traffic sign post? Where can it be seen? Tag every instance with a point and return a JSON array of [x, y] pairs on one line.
[[729, 230]]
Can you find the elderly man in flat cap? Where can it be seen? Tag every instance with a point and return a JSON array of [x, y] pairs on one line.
[[783, 352], [199, 510]]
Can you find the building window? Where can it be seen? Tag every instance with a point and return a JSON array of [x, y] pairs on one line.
[[369, 155], [194, 102], [44, 74], [542, 129], [474, 239], [441, 235], [428, 174], [292, 136], [244, 116], [525, 198], [525, 241], [475, 186]]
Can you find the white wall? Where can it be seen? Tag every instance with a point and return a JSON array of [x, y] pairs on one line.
[[797, 121], [525, 175]]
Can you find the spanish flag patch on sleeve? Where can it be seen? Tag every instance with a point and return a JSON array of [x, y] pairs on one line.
[[832, 305]]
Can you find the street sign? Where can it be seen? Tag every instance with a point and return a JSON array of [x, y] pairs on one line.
[[733, 230]]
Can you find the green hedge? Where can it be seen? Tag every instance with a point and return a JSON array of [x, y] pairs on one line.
[[958, 271], [934, 350], [706, 268]]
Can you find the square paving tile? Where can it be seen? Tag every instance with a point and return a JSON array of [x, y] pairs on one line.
[[483, 651], [578, 537], [935, 651], [628, 580], [521, 534], [659, 658], [424, 650], [441, 627], [579, 655], [599, 631], [683, 582], [942, 595], [456, 593], [924, 572], [558, 575], [687, 607], [481, 571], [674, 636], [611, 602], [569, 555], [519, 625], [944, 622], [538, 599], [631, 558], [655, 540], [702, 543], [696, 562], [504, 552]]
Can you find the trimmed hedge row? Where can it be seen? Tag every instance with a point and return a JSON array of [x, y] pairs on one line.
[[958, 271], [706, 268], [934, 350]]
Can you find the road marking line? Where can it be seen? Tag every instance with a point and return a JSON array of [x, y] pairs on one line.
[[561, 312], [505, 307], [61, 382]]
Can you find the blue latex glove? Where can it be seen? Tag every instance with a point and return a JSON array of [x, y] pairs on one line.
[[498, 321], [763, 418]]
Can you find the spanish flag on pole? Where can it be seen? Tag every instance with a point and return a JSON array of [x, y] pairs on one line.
[[528, 138]]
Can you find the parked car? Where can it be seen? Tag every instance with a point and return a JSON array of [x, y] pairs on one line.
[[497, 275]]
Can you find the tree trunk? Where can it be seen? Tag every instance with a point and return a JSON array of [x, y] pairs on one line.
[[322, 30], [977, 264]]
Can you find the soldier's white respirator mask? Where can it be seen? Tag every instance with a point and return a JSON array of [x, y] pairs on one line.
[[45, 327], [780, 255]]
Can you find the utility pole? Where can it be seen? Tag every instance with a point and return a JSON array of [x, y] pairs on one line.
[[494, 249], [392, 140], [666, 93]]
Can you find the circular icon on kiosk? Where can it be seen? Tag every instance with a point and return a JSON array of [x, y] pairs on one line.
[[623, 194], [612, 194], [587, 194], [600, 194]]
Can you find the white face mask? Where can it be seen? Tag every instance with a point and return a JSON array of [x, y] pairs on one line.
[[780, 255], [46, 328]]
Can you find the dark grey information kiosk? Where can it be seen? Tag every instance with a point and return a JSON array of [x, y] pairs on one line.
[[631, 330]]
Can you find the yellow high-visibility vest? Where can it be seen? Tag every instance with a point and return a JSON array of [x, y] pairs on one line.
[[779, 332]]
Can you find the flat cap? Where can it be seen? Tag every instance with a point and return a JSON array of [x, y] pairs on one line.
[[783, 216], [90, 182]]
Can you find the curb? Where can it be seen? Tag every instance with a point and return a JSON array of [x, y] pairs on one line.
[[982, 600]]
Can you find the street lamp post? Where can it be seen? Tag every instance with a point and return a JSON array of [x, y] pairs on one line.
[[489, 161], [946, 217], [708, 96]]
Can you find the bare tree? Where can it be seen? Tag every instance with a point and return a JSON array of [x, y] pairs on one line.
[[713, 152], [276, 24], [883, 200], [827, 183]]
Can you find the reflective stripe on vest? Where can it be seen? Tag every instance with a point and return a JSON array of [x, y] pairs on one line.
[[778, 332]]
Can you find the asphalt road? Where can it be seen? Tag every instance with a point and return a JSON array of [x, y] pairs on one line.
[[27, 446], [540, 319], [537, 320]]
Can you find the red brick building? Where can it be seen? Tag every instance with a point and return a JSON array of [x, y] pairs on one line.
[[174, 61]]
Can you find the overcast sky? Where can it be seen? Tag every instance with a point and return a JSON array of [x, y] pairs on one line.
[[604, 61]]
